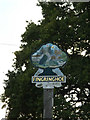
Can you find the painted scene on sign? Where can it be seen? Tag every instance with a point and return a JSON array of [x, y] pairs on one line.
[[49, 56]]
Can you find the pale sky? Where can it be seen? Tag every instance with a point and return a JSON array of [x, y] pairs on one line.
[[13, 16]]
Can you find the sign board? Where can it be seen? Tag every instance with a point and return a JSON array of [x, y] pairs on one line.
[[50, 79], [48, 59], [48, 82]]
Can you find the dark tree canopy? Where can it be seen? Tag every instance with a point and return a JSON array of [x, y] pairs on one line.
[[69, 28]]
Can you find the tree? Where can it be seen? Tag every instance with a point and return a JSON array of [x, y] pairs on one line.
[[68, 28]]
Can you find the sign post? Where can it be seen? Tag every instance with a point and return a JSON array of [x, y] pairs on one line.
[[48, 59], [48, 104]]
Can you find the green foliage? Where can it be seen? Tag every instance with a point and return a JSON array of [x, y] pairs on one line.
[[69, 29]]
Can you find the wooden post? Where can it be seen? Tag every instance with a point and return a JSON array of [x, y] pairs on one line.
[[48, 104]]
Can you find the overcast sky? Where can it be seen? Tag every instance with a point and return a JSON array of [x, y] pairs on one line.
[[13, 16]]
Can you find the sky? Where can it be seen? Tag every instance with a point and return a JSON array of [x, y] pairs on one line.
[[13, 17]]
